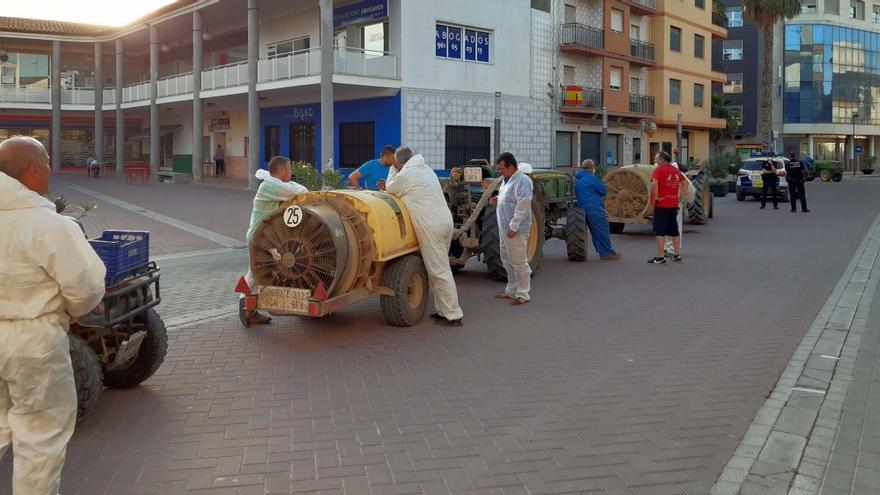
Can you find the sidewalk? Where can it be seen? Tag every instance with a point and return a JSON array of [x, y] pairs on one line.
[[819, 430]]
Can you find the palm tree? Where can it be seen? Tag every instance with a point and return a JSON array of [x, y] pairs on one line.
[[721, 109], [766, 13]]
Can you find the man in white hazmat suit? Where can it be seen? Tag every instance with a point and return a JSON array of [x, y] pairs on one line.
[[276, 188], [686, 200], [514, 212], [49, 275], [418, 187]]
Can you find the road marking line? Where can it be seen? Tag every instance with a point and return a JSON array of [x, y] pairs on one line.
[[186, 227], [830, 357], [811, 390]]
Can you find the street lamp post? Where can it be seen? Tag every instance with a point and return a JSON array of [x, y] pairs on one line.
[[603, 146], [678, 136], [852, 155]]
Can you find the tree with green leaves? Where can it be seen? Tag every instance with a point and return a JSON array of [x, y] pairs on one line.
[[765, 14], [721, 109]]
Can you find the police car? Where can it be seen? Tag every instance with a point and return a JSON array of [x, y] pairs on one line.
[[749, 181]]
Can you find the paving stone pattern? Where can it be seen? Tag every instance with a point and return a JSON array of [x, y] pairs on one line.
[[618, 378]]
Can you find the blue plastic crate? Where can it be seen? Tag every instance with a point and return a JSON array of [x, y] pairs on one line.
[[122, 251]]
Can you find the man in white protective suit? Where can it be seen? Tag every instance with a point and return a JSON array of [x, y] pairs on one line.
[[276, 187], [418, 187], [49, 276]]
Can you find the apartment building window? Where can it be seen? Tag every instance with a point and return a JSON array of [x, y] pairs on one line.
[[698, 95], [567, 75], [857, 10], [637, 150], [616, 82], [832, 7], [808, 7], [734, 17], [296, 45], [734, 84], [737, 110], [273, 142], [732, 49], [700, 4], [617, 20], [699, 45], [570, 15], [675, 39], [458, 43], [675, 91], [877, 13], [635, 32], [635, 86], [466, 143], [356, 143]]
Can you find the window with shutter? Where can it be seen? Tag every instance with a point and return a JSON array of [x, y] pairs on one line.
[[616, 78], [617, 20]]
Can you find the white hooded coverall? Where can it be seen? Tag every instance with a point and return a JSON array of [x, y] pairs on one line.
[[419, 189], [47, 271]]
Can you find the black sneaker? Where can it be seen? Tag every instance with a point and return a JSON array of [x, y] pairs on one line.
[[436, 317], [763, 207], [775, 207], [448, 323], [676, 258], [805, 211], [793, 210], [657, 261]]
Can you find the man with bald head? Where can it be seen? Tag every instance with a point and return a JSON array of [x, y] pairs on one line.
[[49, 275]]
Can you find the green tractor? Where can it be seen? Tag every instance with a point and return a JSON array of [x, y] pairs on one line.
[[826, 171], [555, 214]]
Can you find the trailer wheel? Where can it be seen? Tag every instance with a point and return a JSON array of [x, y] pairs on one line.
[[86, 376], [150, 355], [616, 227], [408, 279], [576, 234], [698, 211]]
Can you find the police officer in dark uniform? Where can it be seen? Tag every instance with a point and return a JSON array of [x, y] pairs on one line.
[[796, 174], [771, 183]]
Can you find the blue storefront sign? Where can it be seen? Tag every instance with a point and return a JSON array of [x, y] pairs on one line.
[[356, 13], [457, 43], [859, 148]]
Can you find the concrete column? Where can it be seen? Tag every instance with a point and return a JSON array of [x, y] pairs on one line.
[[55, 85], [198, 130], [871, 144], [327, 52], [810, 148], [99, 103], [253, 27], [154, 108], [120, 119]]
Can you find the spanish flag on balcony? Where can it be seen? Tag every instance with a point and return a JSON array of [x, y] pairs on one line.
[[574, 95]]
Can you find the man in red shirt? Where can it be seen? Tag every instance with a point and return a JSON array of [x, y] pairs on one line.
[[668, 186]]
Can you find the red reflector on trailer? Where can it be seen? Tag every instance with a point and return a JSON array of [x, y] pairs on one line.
[[242, 286], [313, 309], [320, 292]]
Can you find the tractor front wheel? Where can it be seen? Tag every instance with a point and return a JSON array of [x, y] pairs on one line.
[[408, 279], [576, 234]]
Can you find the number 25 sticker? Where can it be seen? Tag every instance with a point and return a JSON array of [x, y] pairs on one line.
[[293, 216]]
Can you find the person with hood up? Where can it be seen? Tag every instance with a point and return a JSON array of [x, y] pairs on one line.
[[49, 276], [418, 187], [276, 188], [590, 192]]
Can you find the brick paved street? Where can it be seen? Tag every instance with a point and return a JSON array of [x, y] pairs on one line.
[[619, 378]]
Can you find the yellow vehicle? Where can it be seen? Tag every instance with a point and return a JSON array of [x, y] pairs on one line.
[[323, 251]]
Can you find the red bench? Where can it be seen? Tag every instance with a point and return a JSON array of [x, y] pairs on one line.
[[137, 169]]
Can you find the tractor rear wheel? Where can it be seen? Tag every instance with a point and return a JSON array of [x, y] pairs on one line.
[[490, 241], [825, 175], [616, 227], [408, 279], [86, 376], [151, 354], [576, 234], [698, 211]]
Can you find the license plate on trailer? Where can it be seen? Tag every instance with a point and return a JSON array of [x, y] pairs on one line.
[[285, 299], [473, 175]]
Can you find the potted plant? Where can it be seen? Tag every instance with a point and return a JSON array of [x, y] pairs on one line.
[[868, 169], [718, 169]]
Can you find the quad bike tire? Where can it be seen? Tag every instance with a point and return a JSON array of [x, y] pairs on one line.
[[408, 278], [150, 356], [490, 241], [576, 234], [87, 376], [698, 211], [616, 227]]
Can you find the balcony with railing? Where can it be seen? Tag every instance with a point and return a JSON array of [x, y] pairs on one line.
[[136, 92], [77, 96], [643, 51], [582, 36], [24, 95], [177, 84], [641, 104], [644, 6], [577, 98]]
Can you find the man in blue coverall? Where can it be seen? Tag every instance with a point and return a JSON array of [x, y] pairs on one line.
[[590, 192]]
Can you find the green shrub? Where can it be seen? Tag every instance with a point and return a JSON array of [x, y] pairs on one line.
[[304, 173]]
